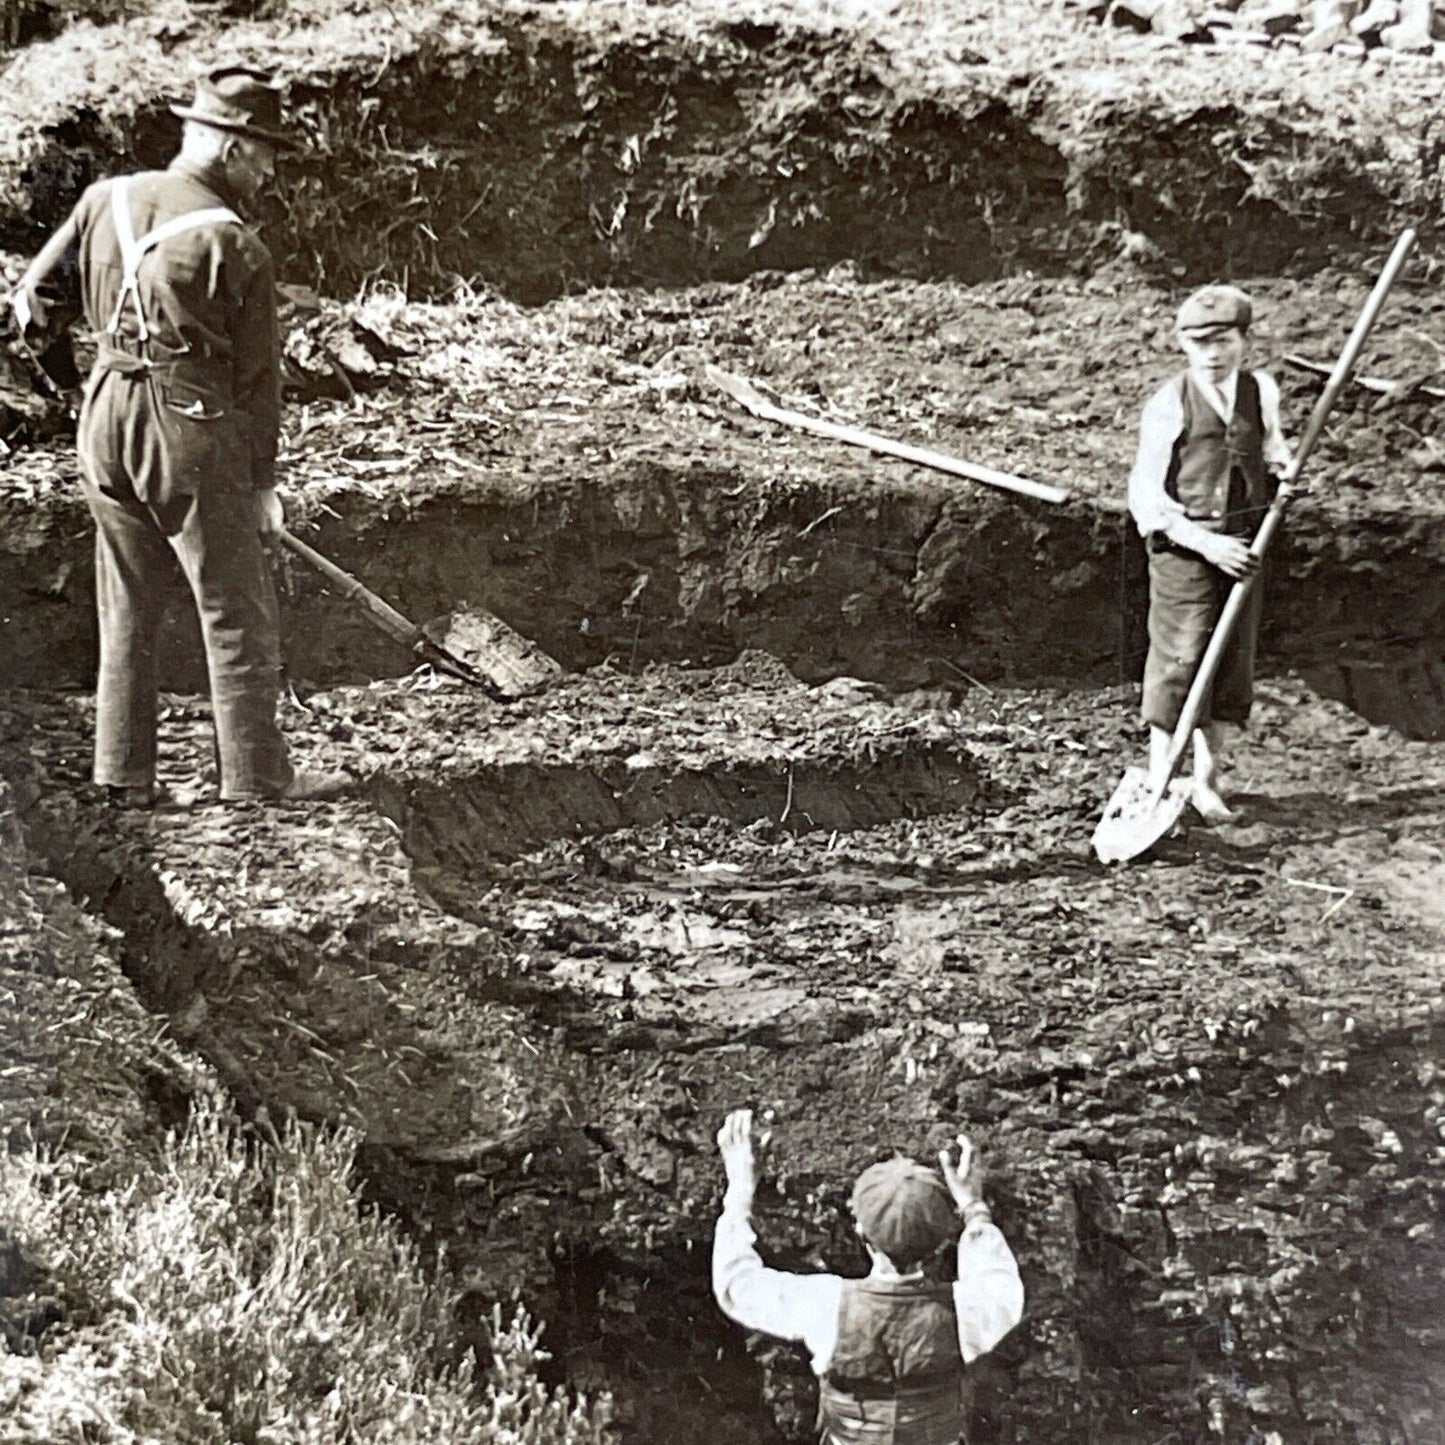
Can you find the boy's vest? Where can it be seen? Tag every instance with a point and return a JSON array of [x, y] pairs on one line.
[[897, 1375], [1217, 472]]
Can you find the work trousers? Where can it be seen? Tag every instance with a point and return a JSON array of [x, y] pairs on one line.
[[1186, 596], [213, 535]]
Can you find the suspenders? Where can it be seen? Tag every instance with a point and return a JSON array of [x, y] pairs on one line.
[[133, 251]]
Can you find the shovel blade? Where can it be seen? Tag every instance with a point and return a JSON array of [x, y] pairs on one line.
[[1133, 823], [513, 665]]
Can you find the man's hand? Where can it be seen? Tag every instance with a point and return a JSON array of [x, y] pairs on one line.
[[964, 1177], [270, 516], [735, 1143], [29, 312], [1230, 555]]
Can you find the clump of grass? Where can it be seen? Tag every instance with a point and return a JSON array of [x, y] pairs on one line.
[[238, 1293]]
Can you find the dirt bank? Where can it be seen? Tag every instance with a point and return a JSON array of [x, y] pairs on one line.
[[1209, 1085], [538, 148], [571, 469], [544, 947], [85, 1068]]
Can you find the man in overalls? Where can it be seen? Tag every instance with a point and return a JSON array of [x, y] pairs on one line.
[[178, 431], [890, 1350]]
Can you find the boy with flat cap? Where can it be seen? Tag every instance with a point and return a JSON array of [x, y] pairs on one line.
[[1210, 455], [178, 430], [889, 1350]]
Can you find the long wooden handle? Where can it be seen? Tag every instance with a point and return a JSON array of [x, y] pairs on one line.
[[1239, 593], [386, 617], [760, 406], [1370, 383]]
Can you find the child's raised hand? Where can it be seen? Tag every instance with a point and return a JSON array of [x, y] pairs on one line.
[[963, 1177], [735, 1144]]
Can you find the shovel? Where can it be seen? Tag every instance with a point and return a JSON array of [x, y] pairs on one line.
[[1140, 815], [472, 645], [751, 399]]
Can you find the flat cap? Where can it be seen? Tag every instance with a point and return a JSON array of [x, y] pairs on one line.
[[904, 1209], [1214, 308]]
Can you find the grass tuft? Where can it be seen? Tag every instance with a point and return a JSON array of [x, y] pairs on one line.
[[238, 1293]]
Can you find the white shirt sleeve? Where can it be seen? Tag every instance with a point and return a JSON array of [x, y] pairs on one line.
[[1153, 509], [1276, 449], [798, 1307], [989, 1295]]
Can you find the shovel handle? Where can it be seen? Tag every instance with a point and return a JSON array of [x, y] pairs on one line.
[[1351, 353], [1239, 593], [751, 399], [386, 617]]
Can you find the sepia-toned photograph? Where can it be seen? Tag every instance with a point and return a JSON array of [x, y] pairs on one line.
[[722, 722]]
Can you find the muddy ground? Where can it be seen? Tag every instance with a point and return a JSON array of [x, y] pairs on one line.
[[572, 469], [545, 948], [807, 824]]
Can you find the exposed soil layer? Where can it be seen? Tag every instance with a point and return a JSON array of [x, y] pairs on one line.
[[1209, 1084], [545, 947], [571, 469], [85, 1068]]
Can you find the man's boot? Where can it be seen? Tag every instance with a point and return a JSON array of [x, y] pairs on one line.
[[130, 795], [315, 787], [133, 797], [304, 787]]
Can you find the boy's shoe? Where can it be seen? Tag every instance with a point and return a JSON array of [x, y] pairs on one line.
[[1209, 805]]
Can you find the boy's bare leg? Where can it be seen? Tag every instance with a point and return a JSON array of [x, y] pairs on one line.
[[1159, 740], [1208, 745]]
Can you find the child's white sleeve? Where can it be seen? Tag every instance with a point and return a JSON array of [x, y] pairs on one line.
[[1276, 449], [1152, 508], [989, 1295], [801, 1307]]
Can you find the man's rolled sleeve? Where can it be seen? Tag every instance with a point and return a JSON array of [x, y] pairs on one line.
[[256, 363], [1152, 508], [46, 302]]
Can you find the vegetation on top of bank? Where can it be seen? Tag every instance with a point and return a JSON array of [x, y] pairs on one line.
[[537, 148], [238, 1292]]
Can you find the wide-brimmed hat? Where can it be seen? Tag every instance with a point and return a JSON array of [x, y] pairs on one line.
[[904, 1209], [242, 100], [1212, 309]]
